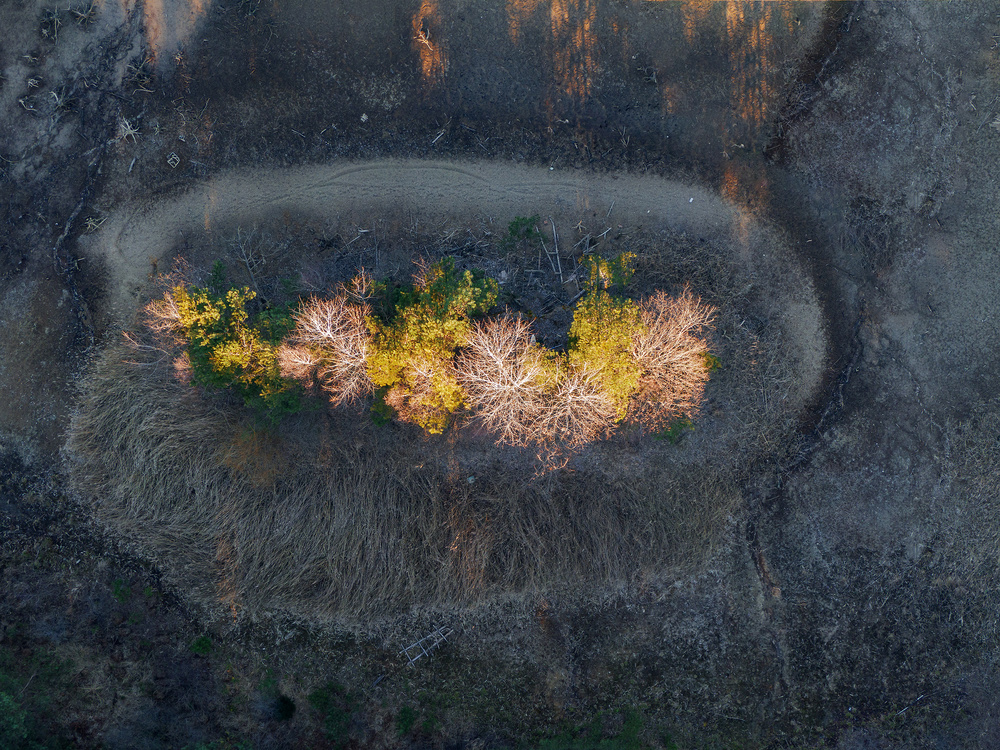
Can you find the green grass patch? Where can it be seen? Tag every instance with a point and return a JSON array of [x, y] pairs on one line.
[[676, 431], [405, 720], [335, 705], [201, 646], [121, 591], [592, 736]]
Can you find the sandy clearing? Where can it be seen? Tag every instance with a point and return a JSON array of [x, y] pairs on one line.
[[446, 192]]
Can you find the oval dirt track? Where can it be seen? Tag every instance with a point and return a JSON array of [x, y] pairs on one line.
[[443, 192]]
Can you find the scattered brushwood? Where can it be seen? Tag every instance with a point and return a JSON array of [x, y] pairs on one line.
[[249, 8], [62, 101], [50, 23], [85, 14], [139, 75], [127, 129]]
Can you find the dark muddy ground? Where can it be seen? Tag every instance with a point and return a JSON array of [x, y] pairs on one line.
[[853, 603]]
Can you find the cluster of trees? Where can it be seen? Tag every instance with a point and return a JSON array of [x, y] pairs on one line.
[[428, 352]]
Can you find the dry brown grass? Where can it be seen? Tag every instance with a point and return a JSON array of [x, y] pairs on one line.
[[332, 518]]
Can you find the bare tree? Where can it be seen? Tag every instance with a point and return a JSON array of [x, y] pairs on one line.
[[578, 411], [507, 378], [672, 350], [299, 362], [163, 318], [526, 394], [336, 331]]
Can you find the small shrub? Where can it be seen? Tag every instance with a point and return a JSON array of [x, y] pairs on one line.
[[522, 228], [430, 724], [600, 273], [675, 431], [201, 646], [712, 363], [227, 351], [284, 708], [121, 591], [600, 341], [382, 413], [412, 354]]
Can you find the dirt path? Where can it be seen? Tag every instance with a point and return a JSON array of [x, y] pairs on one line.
[[428, 191]]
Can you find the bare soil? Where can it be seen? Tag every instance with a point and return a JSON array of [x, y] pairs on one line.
[[850, 600]]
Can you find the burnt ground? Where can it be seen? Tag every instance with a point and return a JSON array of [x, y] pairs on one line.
[[853, 601]]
